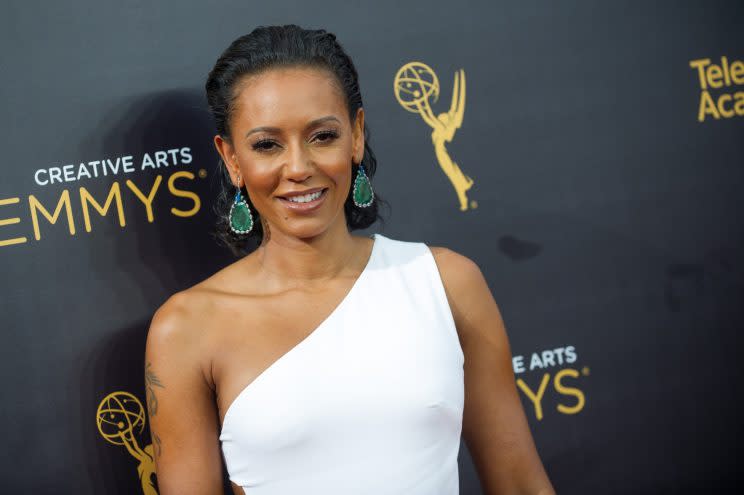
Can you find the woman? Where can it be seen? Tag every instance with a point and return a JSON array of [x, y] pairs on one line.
[[323, 362]]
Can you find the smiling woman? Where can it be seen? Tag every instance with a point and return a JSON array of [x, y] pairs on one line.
[[313, 70], [321, 362]]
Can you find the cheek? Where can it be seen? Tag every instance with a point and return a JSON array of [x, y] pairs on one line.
[[339, 171], [261, 177]]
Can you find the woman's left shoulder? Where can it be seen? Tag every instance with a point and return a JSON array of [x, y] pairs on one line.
[[474, 309], [458, 272], [464, 283]]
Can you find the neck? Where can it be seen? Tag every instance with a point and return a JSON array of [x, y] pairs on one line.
[[310, 260]]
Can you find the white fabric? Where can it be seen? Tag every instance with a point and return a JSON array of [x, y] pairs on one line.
[[369, 403]]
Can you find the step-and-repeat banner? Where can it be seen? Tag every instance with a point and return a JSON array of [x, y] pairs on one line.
[[588, 156]]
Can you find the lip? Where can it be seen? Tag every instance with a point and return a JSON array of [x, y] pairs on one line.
[[305, 207], [300, 193]]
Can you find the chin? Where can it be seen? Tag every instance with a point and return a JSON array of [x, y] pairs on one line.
[[305, 228]]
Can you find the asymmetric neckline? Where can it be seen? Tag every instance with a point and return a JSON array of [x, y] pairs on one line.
[[304, 342]]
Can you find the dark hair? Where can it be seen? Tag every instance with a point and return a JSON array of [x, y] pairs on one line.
[[264, 48]]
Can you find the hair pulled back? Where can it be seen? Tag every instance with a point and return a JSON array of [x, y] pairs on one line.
[[264, 48]]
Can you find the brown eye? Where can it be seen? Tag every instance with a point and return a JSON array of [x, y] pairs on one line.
[[263, 145], [326, 136]]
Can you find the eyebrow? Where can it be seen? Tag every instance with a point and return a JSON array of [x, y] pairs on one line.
[[309, 125]]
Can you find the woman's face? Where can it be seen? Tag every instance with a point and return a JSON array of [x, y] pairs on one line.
[[290, 133]]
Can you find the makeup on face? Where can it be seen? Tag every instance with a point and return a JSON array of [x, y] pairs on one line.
[[295, 143]]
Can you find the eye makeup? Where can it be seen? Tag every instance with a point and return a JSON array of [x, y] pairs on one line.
[[323, 137]]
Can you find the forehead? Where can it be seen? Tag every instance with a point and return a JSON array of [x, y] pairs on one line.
[[287, 96]]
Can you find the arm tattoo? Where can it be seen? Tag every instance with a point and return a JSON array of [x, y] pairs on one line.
[[151, 380], [158, 447]]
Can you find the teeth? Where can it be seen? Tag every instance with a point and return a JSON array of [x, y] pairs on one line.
[[306, 198]]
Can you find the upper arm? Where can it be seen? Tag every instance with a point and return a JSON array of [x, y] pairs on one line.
[[180, 405], [495, 426]]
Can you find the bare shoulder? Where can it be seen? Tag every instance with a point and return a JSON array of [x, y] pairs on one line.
[[182, 327], [458, 270], [461, 276], [185, 313], [191, 322], [174, 319], [473, 307]]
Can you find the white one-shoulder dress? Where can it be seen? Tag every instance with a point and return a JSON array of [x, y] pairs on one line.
[[370, 402]]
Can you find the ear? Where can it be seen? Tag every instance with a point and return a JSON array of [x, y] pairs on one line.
[[358, 136], [227, 153]]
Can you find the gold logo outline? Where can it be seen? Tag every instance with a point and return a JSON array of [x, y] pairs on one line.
[[118, 415], [414, 85]]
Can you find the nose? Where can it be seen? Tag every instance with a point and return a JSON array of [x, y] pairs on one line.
[[299, 166]]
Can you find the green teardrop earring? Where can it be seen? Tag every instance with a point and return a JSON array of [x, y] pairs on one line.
[[363, 195], [241, 220]]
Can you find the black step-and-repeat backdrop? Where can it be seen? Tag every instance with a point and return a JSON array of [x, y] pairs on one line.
[[592, 164]]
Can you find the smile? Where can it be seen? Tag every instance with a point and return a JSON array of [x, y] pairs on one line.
[[306, 202], [306, 198]]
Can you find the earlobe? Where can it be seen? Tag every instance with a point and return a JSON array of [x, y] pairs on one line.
[[359, 135], [229, 159]]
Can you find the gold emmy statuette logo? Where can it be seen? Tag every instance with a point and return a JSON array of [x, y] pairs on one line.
[[415, 85], [119, 415]]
